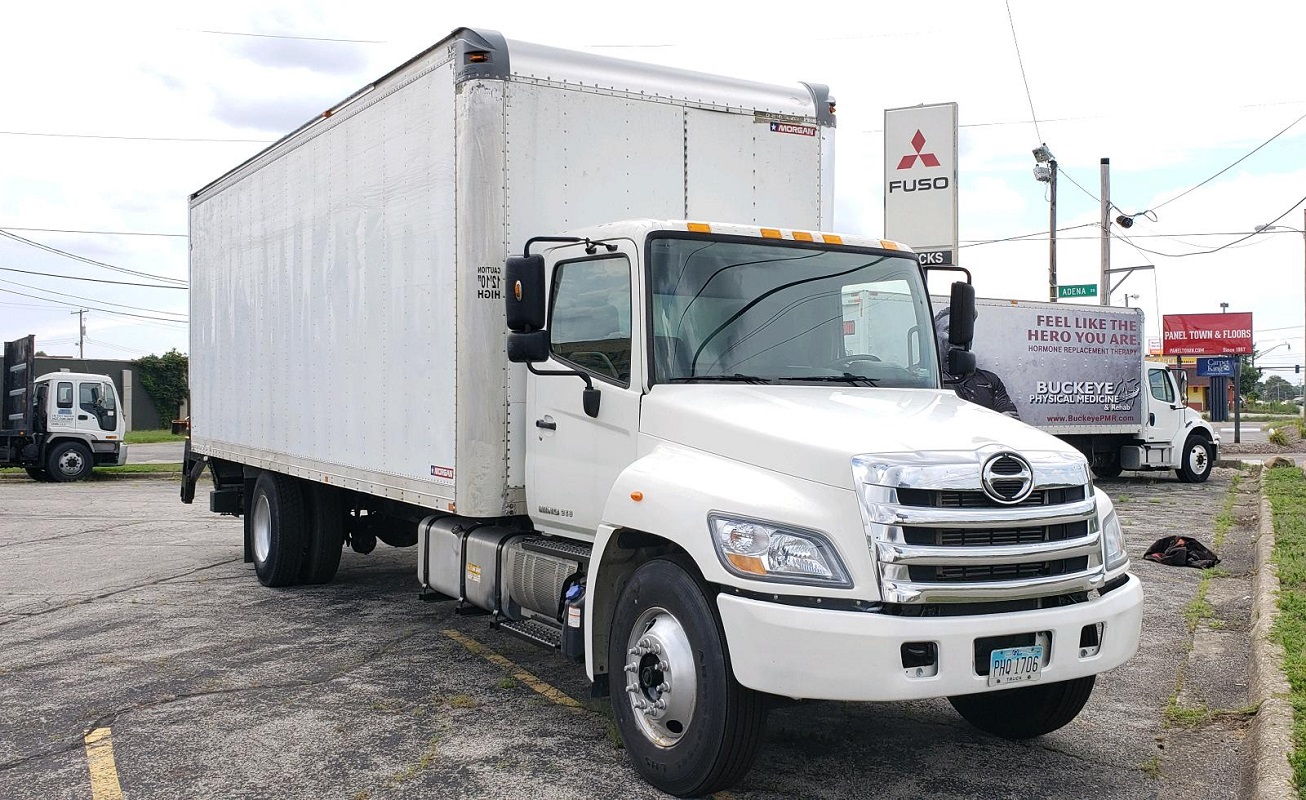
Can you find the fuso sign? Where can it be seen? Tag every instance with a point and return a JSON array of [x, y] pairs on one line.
[[1207, 334], [920, 180]]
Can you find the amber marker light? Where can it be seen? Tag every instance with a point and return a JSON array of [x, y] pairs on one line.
[[636, 496]]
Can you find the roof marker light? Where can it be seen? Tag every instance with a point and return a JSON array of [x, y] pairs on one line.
[[830, 238], [802, 236], [888, 245], [699, 227], [771, 233]]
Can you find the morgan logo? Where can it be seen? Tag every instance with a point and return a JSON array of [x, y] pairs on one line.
[[442, 473], [786, 127], [909, 160]]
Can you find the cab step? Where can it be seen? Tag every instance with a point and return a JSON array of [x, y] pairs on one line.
[[535, 632]]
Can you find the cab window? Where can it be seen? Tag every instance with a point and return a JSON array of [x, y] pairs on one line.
[[1162, 389], [97, 400], [589, 326], [64, 395]]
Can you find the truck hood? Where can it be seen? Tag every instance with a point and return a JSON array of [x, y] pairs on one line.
[[812, 432]]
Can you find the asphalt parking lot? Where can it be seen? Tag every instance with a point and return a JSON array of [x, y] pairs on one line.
[[123, 610]]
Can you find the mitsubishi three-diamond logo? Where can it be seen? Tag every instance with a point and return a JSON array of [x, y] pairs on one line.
[[909, 160]]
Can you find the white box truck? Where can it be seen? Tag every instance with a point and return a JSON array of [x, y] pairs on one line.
[[61, 425], [672, 469], [1079, 373]]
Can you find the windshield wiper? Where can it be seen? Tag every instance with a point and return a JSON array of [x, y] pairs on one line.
[[737, 377], [847, 377]]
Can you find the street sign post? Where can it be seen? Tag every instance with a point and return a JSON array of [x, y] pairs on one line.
[[1078, 290]]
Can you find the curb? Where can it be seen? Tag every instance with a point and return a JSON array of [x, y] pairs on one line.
[[109, 476], [1271, 728]]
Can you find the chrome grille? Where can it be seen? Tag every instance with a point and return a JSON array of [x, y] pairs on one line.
[[956, 544]]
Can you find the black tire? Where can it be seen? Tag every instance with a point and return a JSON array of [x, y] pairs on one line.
[[69, 461], [1195, 462], [277, 529], [38, 474], [1107, 467], [326, 533], [717, 745], [1028, 711]]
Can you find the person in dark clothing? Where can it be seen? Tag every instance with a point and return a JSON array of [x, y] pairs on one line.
[[981, 386]]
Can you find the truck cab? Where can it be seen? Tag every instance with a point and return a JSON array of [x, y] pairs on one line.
[[1173, 435], [60, 425], [859, 531]]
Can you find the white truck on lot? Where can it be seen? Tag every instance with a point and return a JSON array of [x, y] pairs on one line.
[[672, 469], [1078, 372], [59, 426]]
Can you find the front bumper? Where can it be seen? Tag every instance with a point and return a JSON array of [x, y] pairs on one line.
[[851, 655]]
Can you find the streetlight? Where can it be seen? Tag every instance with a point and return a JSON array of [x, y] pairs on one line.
[[1048, 175], [1302, 231], [1134, 296]]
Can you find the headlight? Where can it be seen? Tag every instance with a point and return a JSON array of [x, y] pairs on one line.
[[753, 549], [1113, 542]]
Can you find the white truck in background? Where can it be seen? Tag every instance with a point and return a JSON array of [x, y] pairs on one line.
[[1079, 373], [59, 426], [673, 469]]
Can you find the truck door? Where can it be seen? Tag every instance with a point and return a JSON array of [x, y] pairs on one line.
[[97, 409], [63, 416], [1165, 414], [573, 459]]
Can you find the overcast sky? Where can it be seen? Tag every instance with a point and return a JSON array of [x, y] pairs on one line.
[[1172, 92]]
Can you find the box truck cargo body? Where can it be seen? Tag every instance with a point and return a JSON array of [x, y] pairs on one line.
[[378, 233], [485, 307]]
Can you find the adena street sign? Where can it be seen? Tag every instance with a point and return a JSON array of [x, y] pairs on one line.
[[1078, 290], [1207, 334], [920, 180]]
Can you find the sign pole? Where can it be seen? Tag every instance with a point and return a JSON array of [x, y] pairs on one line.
[[1237, 400], [1104, 294], [1052, 234]]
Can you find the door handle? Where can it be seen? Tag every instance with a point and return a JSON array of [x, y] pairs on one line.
[[546, 424], [82, 416], [1151, 419]]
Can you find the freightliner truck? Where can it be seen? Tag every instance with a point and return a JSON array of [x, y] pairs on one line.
[[419, 318], [59, 426], [1079, 373]]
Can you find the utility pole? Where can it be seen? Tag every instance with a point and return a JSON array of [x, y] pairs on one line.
[[81, 332], [1052, 234], [1104, 282]]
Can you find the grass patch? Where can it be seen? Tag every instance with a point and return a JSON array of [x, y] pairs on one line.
[[152, 436], [1151, 767], [507, 682], [102, 472], [1224, 520], [462, 701], [1286, 489]]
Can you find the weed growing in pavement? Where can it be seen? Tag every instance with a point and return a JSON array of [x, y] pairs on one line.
[[1151, 767], [507, 682], [462, 701], [1278, 436], [1286, 489]]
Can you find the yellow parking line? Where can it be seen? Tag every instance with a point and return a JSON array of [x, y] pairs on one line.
[[551, 692], [99, 758]]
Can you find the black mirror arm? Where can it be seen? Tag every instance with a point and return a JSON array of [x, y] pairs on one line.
[[589, 398]]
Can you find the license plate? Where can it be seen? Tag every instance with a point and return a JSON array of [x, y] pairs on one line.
[[1015, 665]]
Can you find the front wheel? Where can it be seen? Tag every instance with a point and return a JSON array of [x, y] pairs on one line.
[[1197, 463], [689, 726], [69, 461], [1028, 711], [1107, 466]]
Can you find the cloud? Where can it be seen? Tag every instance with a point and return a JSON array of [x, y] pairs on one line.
[[331, 58], [277, 115]]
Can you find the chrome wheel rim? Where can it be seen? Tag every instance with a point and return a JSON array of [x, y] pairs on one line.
[[71, 462], [661, 681], [262, 525], [1197, 460]]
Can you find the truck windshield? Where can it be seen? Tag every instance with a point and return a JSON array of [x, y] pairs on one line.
[[749, 311]]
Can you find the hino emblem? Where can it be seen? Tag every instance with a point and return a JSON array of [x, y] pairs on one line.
[[1007, 478]]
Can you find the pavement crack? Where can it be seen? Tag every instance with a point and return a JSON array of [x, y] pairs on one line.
[[23, 616]]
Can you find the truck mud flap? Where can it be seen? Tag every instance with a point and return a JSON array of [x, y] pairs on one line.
[[191, 470]]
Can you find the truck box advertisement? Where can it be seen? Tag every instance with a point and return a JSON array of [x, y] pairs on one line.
[[1068, 368]]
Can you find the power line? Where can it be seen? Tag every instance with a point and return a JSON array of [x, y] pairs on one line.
[[51, 249], [973, 243], [290, 36], [1291, 209], [1021, 61], [1030, 237], [1246, 156], [108, 233], [102, 310], [95, 280], [93, 299], [60, 135]]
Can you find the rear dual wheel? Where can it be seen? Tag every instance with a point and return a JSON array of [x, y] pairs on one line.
[[296, 530]]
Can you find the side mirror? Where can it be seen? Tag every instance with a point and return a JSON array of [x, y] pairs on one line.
[[961, 319], [960, 363], [524, 299], [528, 348]]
